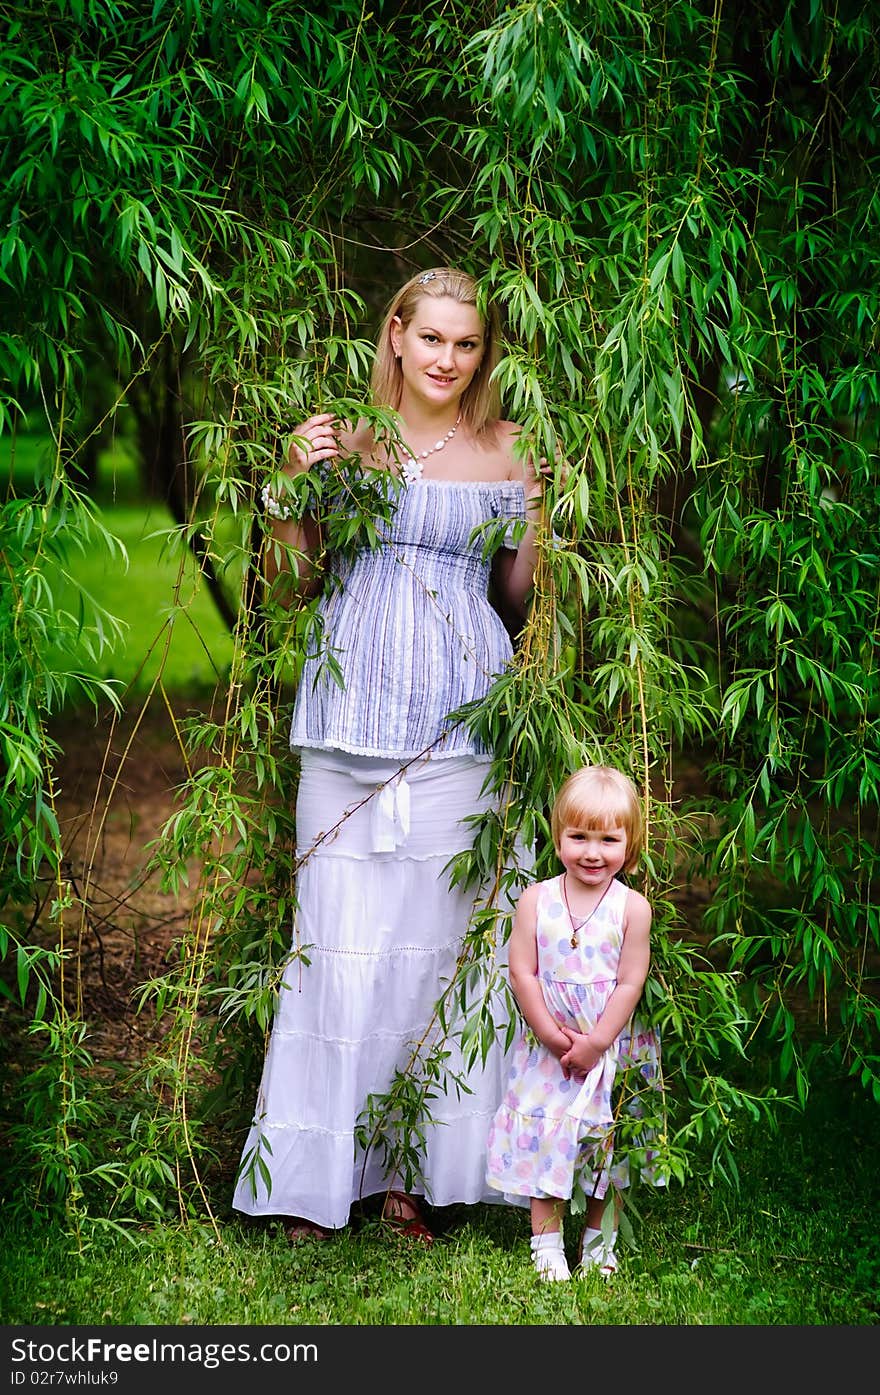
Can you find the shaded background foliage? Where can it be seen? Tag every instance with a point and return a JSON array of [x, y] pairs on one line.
[[205, 208]]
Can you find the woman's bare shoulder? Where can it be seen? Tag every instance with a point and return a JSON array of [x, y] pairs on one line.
[[496, 446], [508, 434]]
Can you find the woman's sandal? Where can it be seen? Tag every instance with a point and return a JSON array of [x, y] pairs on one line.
[[297, 1229], [404, 1215]]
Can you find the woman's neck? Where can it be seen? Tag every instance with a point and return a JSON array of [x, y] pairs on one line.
[[419, 419]]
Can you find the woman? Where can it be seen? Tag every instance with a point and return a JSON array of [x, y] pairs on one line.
[[386, 780]]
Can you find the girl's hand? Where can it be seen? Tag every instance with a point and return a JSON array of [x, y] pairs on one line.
[[314, 440], [581, 1056], [560, 1044]]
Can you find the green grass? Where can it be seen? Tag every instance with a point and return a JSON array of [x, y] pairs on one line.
[[20, 465], [180, 635], [796, 1245], [170, 623]]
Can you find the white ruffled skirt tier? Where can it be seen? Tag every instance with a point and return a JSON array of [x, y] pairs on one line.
[[377, 937]]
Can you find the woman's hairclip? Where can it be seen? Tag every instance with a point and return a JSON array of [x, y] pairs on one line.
[[428, 276]]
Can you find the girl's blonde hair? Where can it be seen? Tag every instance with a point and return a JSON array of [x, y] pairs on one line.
[[598, 796], [481, 402]]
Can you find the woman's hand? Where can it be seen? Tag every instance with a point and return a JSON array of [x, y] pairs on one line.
[[536, 476], [545, 473], [314, 440]]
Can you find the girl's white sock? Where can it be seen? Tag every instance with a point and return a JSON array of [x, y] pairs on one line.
[[548, 1253]]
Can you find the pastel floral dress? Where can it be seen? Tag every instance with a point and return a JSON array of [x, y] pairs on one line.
[[550, 1135]]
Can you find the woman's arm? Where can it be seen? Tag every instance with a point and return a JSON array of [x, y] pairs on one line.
[[524, 981], [293, 545]]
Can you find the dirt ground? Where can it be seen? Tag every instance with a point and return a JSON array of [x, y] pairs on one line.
[[117, 784]]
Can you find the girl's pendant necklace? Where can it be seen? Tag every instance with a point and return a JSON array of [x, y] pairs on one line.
[[576, 929]]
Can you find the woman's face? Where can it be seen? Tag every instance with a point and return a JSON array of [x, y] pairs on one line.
[[440, 351]]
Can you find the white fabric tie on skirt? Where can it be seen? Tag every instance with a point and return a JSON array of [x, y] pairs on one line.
[[389, 805], [390, 819], [360, 806]]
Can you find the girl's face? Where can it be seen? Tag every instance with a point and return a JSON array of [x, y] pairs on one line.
[[440, 351], [593, 856]]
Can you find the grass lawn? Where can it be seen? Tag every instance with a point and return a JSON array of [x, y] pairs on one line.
[[796, 1244], [170, 623]]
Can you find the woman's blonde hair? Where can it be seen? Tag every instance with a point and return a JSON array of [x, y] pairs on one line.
[[598, 796], [480, 403]]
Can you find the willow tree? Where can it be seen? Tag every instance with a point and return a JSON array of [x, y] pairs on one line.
[[676, 208]]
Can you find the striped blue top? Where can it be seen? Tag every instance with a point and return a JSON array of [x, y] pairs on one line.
[[410, 625]]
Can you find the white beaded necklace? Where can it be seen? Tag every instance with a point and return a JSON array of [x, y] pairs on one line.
[[413, 465]]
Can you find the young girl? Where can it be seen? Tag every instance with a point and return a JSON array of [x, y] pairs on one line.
[[579, 957]]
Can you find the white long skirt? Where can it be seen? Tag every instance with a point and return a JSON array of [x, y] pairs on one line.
[[382, 933]]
